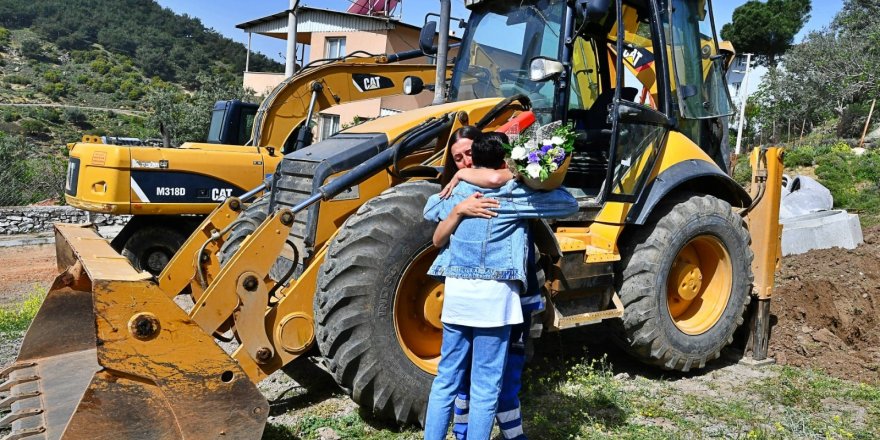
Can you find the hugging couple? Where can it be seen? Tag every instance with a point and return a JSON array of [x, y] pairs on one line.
[[487, 260]]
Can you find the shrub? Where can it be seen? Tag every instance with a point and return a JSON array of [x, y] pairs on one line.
[[49, 114], [11, 115], [51, 75], [854, 181], [32, 126], [31, 49], [54, 90], [75, 116], [100, 65], [802, 156], [17, 79], [4, 36]]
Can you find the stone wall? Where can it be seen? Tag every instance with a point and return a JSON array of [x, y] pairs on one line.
[[36, 219]]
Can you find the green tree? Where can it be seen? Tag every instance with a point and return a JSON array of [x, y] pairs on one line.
[[830, 78], [766, 29], [185, 118]]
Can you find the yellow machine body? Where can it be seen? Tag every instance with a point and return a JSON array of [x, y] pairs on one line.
[[336, 256]]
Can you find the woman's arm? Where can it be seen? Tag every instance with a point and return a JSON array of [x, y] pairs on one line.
[[482, 177], [473, 206]]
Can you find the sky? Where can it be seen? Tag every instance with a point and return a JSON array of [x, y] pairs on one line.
[[223, 15]]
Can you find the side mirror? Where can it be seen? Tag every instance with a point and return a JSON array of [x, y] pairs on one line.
[[543, 68], [592, 10], [413, 85], [426, 38]]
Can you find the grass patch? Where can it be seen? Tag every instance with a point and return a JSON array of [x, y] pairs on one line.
[[15, 320], [815, 405], [348, 426]]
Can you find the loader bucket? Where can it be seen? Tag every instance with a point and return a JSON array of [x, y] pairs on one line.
[[109, 355]]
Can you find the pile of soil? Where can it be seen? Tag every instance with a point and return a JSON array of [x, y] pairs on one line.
[[827, 305]]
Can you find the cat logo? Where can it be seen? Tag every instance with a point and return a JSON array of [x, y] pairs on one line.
[[365, 82], [220, 194]]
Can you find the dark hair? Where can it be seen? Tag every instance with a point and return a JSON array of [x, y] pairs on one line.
[[465, 132], [488, 151], [501, 137]]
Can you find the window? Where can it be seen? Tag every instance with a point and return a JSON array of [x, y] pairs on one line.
[[335, 47], [329, 126]]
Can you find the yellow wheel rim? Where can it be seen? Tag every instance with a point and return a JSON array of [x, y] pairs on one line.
[[699, 284], [417, 306]]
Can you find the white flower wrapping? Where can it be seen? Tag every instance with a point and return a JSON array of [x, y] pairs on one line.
[[537, 160]]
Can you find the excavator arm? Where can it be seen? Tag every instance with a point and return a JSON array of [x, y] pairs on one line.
[[300, 97]]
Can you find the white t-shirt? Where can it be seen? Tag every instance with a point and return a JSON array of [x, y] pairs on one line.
[[481, 303]]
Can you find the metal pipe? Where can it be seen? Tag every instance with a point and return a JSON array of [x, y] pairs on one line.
[[442, 50], [290, 64], [247, 59], [248, 195], [744, 92], [304, 138], [417, 137]]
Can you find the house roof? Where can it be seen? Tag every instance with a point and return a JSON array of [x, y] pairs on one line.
[[310, 19]]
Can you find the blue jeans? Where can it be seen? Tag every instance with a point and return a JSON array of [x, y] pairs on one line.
[[508, 414], [485, 349]]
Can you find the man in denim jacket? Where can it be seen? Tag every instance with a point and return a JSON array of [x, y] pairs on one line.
[[484, 266]]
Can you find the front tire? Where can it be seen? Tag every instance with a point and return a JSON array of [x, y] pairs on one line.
[[377, 313], [685, 282]]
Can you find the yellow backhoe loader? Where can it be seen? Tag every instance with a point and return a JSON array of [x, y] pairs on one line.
[[169, 190], [666, 248]]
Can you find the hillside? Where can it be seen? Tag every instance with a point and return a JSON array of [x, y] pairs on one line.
[[85, 53], [106, 67]]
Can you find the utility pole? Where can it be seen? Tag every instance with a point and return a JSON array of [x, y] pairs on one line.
[[743, 91]]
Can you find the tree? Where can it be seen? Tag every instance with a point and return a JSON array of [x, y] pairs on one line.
[[766, 29], [830, 78]]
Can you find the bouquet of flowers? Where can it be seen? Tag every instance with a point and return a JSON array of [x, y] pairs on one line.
[[542, 155]]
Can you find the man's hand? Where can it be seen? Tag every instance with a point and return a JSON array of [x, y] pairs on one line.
[[477, 206]]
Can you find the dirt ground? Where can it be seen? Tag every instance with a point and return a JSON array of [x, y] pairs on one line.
[[23, 268], [827, 304], [826, 317]]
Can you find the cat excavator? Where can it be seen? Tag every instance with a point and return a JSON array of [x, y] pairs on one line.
[[168, 191], [666, 249]]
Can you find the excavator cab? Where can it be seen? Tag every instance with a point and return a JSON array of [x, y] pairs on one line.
[[335, 256]]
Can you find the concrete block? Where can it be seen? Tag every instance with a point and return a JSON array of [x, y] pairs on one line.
[[820, 230]]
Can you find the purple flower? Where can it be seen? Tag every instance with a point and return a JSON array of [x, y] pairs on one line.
[[546, 148], [534, 156]]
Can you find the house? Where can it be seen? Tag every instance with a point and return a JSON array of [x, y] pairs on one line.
[[324, 33]]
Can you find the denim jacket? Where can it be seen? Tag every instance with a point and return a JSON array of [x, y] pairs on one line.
[[494, 248]]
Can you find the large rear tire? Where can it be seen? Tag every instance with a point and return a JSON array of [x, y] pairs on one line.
[[377, 313], [150, 248], [685, 282]]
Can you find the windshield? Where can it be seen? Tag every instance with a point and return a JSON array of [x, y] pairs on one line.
[[501, 41], [699, 75], [216, 125]]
